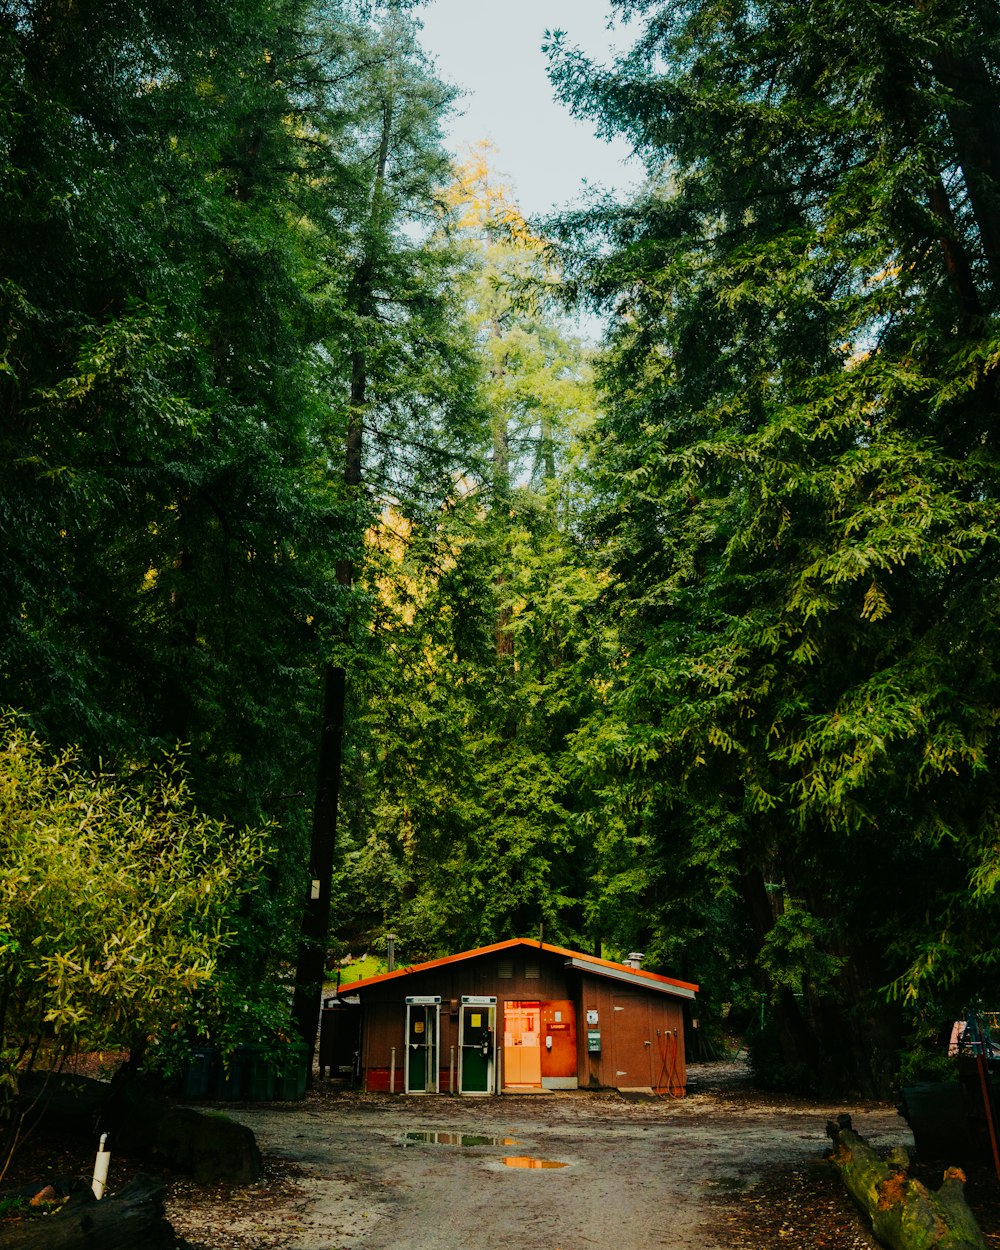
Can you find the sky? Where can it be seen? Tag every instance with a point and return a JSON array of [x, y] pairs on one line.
[[492, 50]]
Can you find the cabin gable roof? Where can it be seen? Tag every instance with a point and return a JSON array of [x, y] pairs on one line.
[[577, 960]]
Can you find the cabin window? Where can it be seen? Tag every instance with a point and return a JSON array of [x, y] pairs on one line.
[[531, 972], [506, 969]]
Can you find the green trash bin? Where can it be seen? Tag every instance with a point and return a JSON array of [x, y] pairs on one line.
[[937, 1114], [199, 1072], [292, 1073], [258, 1074], [231, 1076]]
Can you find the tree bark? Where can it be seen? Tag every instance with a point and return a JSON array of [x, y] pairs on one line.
[[503, 635], [903, 1213], [311, 963], [975, 129], [797, 1043], [956, 262]]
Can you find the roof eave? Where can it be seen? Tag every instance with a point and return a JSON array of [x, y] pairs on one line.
[[631, 978], [584, 963]]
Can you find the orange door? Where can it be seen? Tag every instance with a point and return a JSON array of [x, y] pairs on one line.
[[558, 1049], [521, 1051], [632, 1045]]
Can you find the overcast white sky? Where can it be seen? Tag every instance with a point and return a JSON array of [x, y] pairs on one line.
[[493, 49]]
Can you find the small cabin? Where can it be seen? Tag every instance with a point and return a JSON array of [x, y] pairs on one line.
[[517, 1017]]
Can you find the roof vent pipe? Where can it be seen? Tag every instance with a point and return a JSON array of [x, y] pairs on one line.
[[634, 959], [390, 951]]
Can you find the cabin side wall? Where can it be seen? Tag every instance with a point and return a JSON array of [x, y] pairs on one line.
[[639, 1035]]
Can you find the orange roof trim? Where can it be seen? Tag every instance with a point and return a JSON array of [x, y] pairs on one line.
[[578, 958]]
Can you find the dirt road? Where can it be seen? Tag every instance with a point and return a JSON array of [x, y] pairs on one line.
[[381, 1173]]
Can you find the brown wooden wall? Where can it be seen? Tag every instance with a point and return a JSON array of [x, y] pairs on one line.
[[629, 1018], [642, 1037], [385, 1008]]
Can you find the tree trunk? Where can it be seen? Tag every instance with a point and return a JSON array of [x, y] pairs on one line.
[[903, 1213], [504, 638], [795, 1040], [975, 128], [311, 963], [956, 262]]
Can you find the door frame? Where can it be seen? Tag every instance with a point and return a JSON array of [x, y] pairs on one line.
[[524, 1004], [566, 1009], [432, 1050], [620, 1039], [488, 1003]]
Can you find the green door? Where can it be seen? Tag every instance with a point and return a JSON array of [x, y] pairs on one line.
[[478, 1041], [421, 1047]]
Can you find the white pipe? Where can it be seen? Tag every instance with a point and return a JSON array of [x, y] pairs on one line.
[[392, 1072], [101, 1165]]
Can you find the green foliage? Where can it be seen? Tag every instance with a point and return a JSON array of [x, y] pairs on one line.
[[12, 1205], [707, 668], [168, 526], [360, 969], [464, 826], [795, 953], [116, 903], [797, 492], [925, 1057]]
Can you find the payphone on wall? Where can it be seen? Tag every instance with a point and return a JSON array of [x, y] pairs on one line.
[[477, 1044], [423, 1038]]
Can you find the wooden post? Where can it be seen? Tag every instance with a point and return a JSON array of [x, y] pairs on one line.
[[983, 1072], [982, 1067]]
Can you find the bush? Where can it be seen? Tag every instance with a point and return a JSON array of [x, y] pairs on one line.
[[770, 1070], [115, 903]]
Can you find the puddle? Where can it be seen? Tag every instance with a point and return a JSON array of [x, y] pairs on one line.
[[459, 1139], [525, 1161]]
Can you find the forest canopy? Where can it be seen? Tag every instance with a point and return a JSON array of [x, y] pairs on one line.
[[800, 390], [681, 643]]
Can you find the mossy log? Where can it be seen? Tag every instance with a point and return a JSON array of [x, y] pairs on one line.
[[131, 1220], [904, 1214]]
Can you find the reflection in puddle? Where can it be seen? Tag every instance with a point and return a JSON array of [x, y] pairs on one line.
[[459, 1139], [525, 1161]]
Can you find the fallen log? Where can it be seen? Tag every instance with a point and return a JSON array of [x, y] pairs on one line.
[[131, 1220], [904, 1214]]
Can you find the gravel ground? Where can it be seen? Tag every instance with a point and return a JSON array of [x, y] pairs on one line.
[[724, 1169]]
